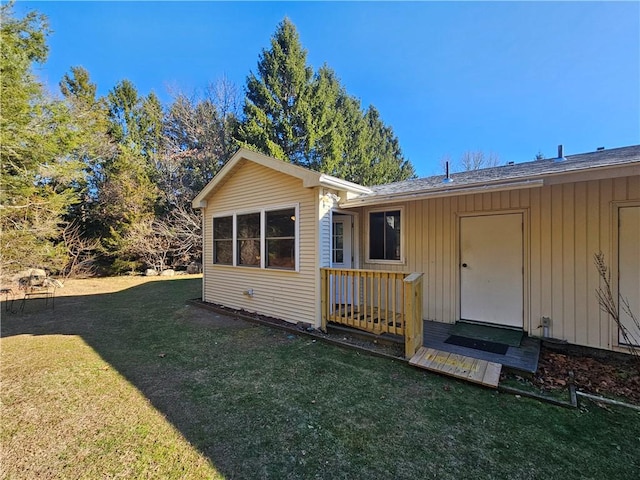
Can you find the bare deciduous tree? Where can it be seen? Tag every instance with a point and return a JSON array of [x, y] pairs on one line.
[[170, 241], [198, 139], [475, 160], [613, 306], [81, 252]]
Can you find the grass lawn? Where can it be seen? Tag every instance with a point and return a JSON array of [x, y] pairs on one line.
[[122, 380]]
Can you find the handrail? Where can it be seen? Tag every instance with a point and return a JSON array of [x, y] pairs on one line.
[[375, 301]]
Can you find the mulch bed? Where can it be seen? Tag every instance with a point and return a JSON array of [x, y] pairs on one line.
[[613, 375]]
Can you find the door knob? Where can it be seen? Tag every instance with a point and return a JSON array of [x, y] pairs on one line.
[[464, 265]]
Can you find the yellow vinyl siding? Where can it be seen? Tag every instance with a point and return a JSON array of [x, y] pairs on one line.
[[283, 294], [565, 225]]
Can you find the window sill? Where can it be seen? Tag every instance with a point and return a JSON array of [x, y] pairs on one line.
[[257, 268]]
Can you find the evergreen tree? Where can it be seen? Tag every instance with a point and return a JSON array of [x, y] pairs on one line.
[[310, 120], [89, 113], [277, 100], [39, 176], [127, 194]]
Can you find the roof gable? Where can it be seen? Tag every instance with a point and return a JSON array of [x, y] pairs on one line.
[[308, 177]]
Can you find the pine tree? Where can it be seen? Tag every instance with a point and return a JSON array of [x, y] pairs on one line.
[[277, 103], [128, 194], [310, 120], [39, 177]]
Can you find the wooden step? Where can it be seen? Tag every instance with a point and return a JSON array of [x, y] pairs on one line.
[[466, 368]]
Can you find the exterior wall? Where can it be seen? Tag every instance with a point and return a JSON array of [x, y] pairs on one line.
[[565, 225], [284, 294]]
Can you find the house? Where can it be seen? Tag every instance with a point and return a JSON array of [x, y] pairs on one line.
[[511, 246]]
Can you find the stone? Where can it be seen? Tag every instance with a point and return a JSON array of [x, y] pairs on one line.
[[194, 268]]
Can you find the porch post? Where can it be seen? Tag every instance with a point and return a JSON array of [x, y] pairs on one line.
[[413, 314], [324, 291]]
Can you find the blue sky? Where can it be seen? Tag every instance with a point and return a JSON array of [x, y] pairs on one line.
[[509, 78]]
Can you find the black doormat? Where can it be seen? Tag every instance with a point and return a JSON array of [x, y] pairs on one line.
[[499, 348]]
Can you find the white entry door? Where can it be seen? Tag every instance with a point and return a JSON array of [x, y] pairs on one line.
[[341, 257], [629, 270], [491, 269]]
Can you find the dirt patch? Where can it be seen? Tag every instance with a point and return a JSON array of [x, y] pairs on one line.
[[611, 376]]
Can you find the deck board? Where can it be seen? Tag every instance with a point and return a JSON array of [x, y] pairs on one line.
[[452, 364], [523, 358]]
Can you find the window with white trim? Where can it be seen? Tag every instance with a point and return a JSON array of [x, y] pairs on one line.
[[280, 238], [263, 239], [248, 239], [223, 240], [384, 235]]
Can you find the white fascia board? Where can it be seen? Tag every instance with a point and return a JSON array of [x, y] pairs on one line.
[[339, 184]]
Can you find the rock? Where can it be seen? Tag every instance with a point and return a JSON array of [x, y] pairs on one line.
[[168, 273], [151, 272], [193, 268], [36, 272]]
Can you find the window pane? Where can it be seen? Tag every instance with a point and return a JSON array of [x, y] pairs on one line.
[[376, 235], [281, 223], [392, 236], [249, 252], [223, 240], [223, 252], [222, 228], [249, 226], [384, 235], [338, 242], [281, 253]]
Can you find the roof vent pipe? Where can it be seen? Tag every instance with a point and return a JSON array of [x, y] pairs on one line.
[[560, 154], [447, 178]]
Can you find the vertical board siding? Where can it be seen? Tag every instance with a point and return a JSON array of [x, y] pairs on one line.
[[283, 294], [567, 224]]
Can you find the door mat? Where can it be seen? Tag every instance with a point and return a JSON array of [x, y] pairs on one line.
[[487, 333], [485, 346]]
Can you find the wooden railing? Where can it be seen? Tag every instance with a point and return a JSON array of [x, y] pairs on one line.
[[413, 313], [374, 301]]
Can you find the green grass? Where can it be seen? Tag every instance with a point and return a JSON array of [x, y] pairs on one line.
[[135, 384]]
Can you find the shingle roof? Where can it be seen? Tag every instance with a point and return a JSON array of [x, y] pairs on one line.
[[509, 173]]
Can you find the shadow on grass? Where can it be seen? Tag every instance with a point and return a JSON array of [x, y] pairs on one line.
[[261, 403]]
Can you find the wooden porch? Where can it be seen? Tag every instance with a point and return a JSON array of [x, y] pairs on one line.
[[374, 301], [522, 358], [390, 303]]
